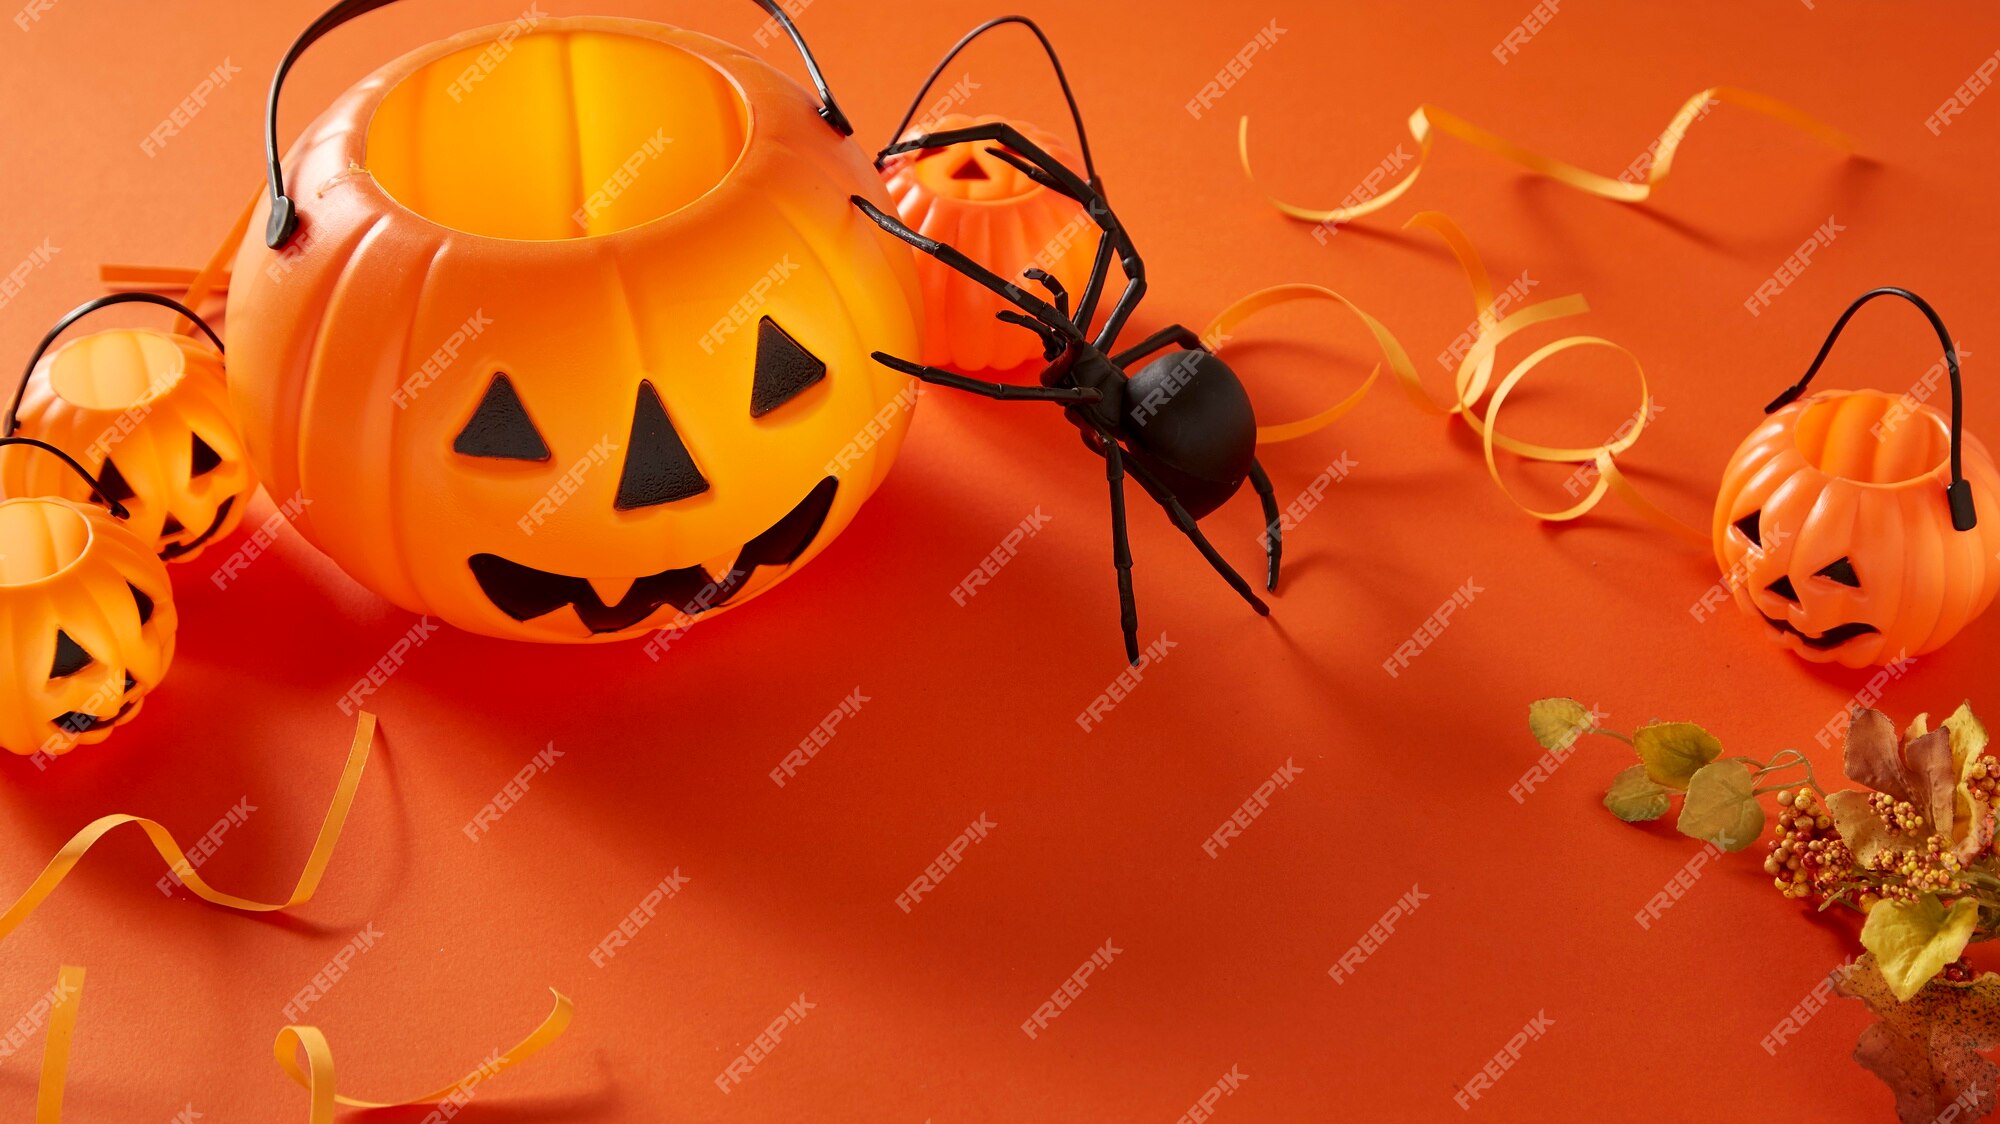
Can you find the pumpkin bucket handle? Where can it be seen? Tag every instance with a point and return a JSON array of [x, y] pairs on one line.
[[284, 219], [1062, 79], [97, 490], [78, 313], [1959, 493]]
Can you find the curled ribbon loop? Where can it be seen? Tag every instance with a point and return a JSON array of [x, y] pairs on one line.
[[177, 860], [316, 1077], [1473, 383], [1429, 120]]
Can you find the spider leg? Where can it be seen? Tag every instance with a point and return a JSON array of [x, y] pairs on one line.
[[1059, 178], [1274, 531], [979, 274], [1121, 549], [1068, 395], [1094, 205], [1186, 523], [1052, 344], [1174, 334], [1055, 287]]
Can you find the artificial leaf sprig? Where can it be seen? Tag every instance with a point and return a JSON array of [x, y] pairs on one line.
[[1913, 852]]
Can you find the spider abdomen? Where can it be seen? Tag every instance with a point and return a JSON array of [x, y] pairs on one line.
[[1189, 420]]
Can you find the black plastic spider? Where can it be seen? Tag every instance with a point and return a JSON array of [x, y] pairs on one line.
[[1182, 425]]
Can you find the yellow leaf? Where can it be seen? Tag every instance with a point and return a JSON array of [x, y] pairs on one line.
[[1557, 723], [1968, 739], [1913, 942], [1673, 751]]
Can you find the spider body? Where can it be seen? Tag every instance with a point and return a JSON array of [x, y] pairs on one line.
[[1189, 420], [1181, 423]]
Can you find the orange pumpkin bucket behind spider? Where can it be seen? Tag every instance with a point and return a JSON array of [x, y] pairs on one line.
[[1848, 522], [561, 329]]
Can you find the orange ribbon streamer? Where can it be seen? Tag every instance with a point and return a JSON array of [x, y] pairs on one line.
[[1429, 120], [55, 1049], [177, 860], [317, 1079], [1474, 382]]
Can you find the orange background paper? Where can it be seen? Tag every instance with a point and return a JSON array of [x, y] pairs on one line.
[[971, 709]]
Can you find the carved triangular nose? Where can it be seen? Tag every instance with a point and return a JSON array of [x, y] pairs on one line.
[[658, 468]]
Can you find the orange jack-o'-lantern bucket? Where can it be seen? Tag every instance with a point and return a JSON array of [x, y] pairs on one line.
[[560, 329], [972, 198], [86, 615], [1848, 522], [148, 412]]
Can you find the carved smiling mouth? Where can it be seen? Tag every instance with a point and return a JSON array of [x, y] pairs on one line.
[[525, 593], [174, 550], [1831, 638], [76, 723]]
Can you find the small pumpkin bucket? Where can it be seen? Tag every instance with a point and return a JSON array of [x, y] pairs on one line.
[[561, 328], [969, 198], [1848, 522], [86, 617], [148, 411]]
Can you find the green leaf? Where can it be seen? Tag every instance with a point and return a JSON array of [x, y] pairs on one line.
[[1721, 806], [1928, 1050], [1634, 796], [1557, 723], [1914, 941], [1673, 751]]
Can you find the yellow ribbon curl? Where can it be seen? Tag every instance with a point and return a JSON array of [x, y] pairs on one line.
[[1430, 119], [317, 1079], [317, 1076], [1473, 382], [163, 841]]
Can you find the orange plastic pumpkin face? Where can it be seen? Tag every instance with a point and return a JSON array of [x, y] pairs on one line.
[[1833, 526], [968, 198], [148, 414], [86, 624], [572, 343]]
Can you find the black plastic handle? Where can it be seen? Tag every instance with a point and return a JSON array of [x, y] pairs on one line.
[[1959, 492], [118, 510], [1062, 79], [284, 220], [78, 313]]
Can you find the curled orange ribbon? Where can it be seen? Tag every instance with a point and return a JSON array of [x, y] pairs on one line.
[[317, 1078], [1473, 382], [1430, 119], [163, 841]]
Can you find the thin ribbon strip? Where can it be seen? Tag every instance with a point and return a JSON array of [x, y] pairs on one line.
[[317, 1078], [1429, 120], [55, 1048], [1473, 382], [195, 285], [163, 842]]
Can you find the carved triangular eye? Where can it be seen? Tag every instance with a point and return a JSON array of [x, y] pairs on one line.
[[784, 369], [1841, 571], [500, 427], [1748, 526], [205, 460], [144, 603], [970, 170], [70, 657], [658, 468], [111, 484]]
